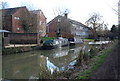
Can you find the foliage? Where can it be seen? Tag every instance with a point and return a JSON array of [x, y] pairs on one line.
[[98, 60], [89, 39], [119, 32], [25, 27], [114, 29], [80, 58], [114, 32], [93, 51], [86, 57]]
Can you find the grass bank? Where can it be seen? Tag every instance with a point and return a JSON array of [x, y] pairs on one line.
[[96, 62], [88, 39], [47, 38]]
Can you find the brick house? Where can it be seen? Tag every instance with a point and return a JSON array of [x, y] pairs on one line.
[[20, 22], [59, 25], [39, 22], [79, 30], [13, 18], [68, 28]]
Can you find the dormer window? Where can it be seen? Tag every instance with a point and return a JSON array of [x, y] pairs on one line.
[[16, 18]]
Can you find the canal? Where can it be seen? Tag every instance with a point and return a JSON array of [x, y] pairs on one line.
[[31, 65]]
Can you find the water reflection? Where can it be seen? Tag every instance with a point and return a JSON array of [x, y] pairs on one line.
[[30, 64]]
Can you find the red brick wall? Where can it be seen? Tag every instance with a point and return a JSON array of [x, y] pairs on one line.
[[52, 26], [63, 34], [16, 23], [43, 25], [7, 23], [39, 21], [23, 38]]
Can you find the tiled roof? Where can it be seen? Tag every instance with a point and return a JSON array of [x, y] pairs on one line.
[[54, 19], [78, 23], [10, 11], [35, 11], [70, 20]]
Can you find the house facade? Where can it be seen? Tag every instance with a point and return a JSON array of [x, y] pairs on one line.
[[79, 30], [21, 22], [39, 21], [14, 19], [59, 26], [68, 28]]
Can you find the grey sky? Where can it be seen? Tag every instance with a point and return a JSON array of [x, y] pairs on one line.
[[79, 9]]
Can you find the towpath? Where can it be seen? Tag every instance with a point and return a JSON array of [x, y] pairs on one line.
[[110, 69]]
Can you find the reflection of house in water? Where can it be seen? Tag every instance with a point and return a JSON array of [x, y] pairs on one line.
[[25, 66], [62, 58]]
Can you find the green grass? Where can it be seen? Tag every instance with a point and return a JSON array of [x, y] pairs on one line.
[[89, 39], [98, 60], [47, 38]]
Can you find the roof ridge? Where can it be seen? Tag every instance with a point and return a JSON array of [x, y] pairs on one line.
[[14, 8]]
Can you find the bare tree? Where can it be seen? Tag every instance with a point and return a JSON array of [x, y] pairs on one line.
[[95, 22], [115, 8], [28, 22], [103, 29], [3, 5], [25, 20], [61, 11]]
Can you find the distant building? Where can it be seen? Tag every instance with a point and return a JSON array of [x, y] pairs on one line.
[[67, 27]]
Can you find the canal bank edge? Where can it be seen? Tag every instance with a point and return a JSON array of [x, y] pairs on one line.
[[96, 62], [14, 50]]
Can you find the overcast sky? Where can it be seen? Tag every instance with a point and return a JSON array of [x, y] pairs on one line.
[[79, 9]]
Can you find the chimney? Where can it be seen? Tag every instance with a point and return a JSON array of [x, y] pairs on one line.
[[66, 14]]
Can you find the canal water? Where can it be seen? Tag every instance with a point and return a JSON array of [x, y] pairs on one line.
[[30, 65]]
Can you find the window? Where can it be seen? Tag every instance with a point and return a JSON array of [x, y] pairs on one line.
[[59, 20], [40, 22], [74, 25], [81, 27], [18, 29], [40, 12], [16, 18]]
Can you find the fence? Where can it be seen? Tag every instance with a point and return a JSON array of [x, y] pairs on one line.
[[63, 34]]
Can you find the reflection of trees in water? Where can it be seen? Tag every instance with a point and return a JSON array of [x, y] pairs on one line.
[[62, 58], [29, 64]]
